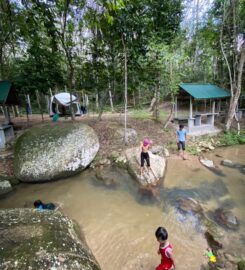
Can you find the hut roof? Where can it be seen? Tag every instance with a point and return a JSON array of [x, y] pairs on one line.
[[7, 93], [204, 91]]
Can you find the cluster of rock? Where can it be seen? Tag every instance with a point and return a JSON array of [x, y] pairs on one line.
[[209, 221], [34, 239], [204, 146]]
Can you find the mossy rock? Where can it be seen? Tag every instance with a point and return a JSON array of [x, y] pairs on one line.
[[241, 265], [34, 239], [54, 151]]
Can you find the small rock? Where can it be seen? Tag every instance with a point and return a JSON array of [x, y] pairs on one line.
[[226, 219], [210, 146], [227, 163], [5, 187], [230, 258], [115, 154], [189, 205], [105, 161], [208, 163], [166, 152], [121, 159]]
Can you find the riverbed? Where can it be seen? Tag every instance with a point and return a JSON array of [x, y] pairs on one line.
[[119, 223]]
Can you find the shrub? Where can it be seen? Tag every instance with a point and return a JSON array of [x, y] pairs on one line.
[[231, 138]]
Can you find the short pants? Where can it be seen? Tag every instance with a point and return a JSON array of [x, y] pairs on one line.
[[181, 145], [144, 156]]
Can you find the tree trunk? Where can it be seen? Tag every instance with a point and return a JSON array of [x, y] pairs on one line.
[[111, 101], [125, 90], [156, 107], [39, 105], [16, 111], [139, 97], [170, 117], [237, 89], [153, 102], [71, 83], [236, 65], [97, 102], [102, 101]]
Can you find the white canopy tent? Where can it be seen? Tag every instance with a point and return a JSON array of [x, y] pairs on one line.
[[63, 99]]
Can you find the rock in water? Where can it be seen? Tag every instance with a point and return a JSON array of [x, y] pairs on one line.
[[208, 163], [34, 239], [54, 151], [189, 205], [157, 163], [226, 219], [5, 187]]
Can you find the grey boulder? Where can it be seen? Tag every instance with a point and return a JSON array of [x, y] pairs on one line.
[[42, 239], [54, 151]]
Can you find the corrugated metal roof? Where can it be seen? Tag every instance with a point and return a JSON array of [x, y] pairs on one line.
[[203, 91], [4, 90]]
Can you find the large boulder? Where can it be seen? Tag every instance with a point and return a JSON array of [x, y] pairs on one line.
[[54, 151], [46, 239], [157, 163]]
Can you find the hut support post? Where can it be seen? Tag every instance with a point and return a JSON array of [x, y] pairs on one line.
[[213, 112], [6, 114], [191, 119], [191, 108]]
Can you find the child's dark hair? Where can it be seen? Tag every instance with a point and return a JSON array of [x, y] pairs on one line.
[[37, 203], [161, 234], [181, 126]]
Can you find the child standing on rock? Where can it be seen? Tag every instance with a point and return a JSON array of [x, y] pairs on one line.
[[144, 156], [165, 249]]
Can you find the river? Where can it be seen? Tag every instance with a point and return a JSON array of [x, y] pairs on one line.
[[119, 224]]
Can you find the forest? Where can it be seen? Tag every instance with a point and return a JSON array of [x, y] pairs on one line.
[[123, 52]]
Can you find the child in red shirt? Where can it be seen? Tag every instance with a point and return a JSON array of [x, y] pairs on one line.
[[165, 249]]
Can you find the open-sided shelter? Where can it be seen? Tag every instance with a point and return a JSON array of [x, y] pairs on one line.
[[240, 111], [60, 101], [205, 101]]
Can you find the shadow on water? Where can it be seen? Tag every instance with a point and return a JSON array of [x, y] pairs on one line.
[[119, 179], [204, 192], [115, 178]]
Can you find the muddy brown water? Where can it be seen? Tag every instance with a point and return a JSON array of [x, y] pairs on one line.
[[119, 223]]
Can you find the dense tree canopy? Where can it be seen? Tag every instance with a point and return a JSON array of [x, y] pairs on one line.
[[81, 45]]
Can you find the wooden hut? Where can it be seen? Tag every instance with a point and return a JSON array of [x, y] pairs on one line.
[[205, 102]]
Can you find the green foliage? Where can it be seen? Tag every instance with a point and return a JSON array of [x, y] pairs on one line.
[[144, 114], [232, 138], [192, 149], [241, 265]]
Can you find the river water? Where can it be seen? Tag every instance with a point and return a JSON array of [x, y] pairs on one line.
[[119, 223]]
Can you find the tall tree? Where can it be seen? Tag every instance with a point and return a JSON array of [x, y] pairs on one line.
[[233, 53]]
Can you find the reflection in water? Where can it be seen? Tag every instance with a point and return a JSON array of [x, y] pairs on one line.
[[119, 221]]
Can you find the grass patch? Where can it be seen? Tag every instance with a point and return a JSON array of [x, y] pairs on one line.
[[144, 114]]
